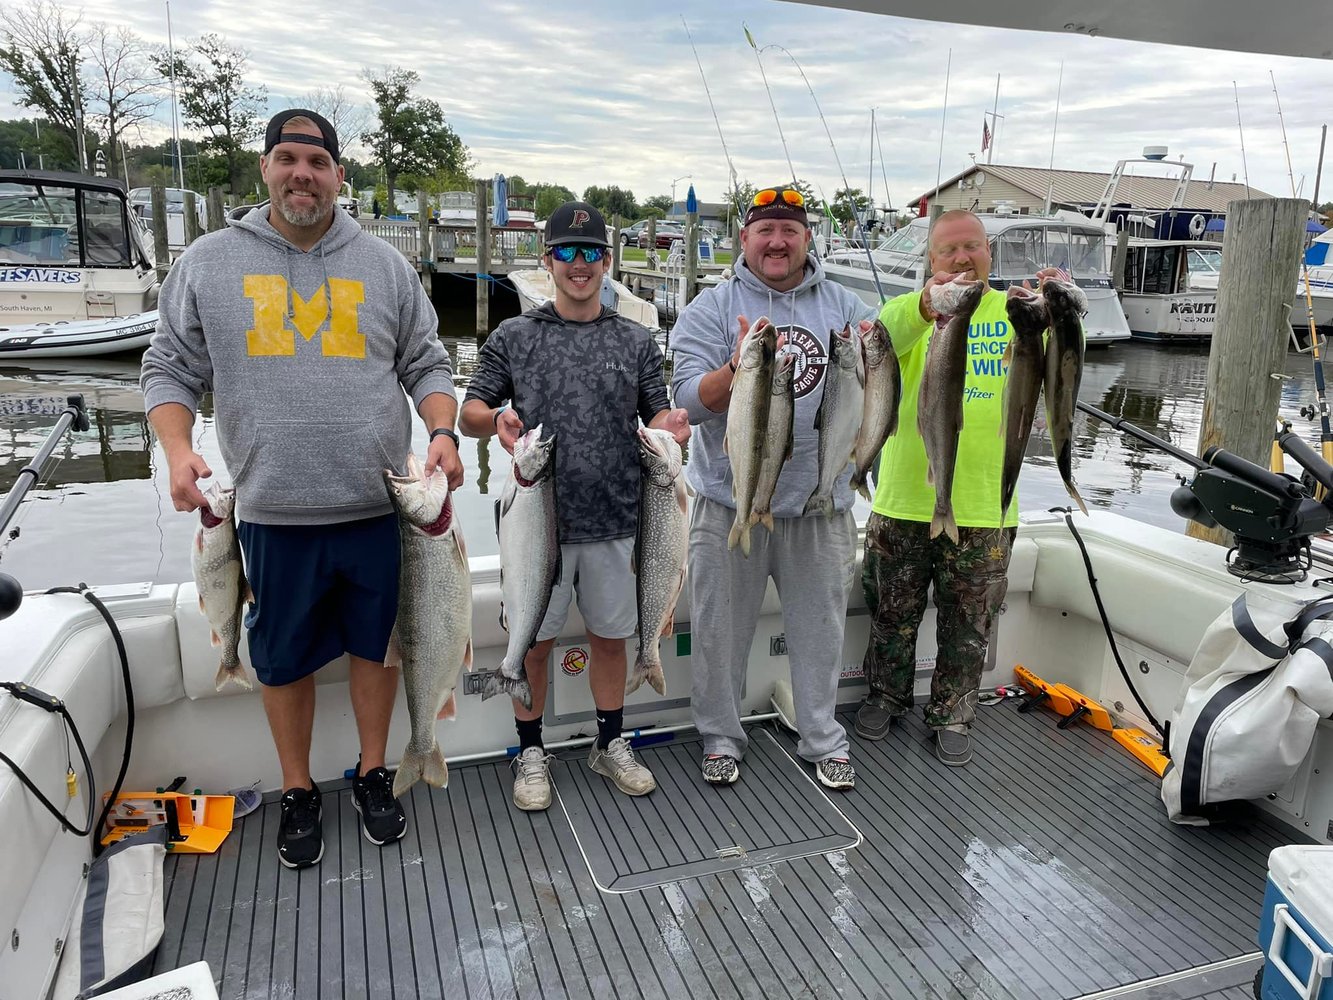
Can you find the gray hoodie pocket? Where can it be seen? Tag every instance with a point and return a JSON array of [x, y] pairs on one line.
[[316, 465]]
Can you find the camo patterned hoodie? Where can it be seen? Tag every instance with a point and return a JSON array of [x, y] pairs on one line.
[[590, 384]]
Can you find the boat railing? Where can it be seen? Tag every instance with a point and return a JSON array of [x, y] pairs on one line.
[[450, 242]]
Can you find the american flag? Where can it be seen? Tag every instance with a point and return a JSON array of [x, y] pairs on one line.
[[985, 135]]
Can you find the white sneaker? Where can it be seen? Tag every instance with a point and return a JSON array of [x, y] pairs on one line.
[[619, 764], [532, 779]]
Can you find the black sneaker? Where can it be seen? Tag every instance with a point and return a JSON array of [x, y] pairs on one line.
[[382, 818], [300, 835], [873, 722], [721, 769]]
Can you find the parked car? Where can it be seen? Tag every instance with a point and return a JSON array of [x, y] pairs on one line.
[[667, 234], [140, 202], [630, 234]]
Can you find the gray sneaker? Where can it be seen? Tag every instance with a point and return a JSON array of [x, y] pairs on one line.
[[953, 745], [619, 764], [873, 722], [836, 772], [532, 779]]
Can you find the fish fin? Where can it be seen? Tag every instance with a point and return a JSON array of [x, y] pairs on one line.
[[734, 536], [517, 688], [819, 505], [652, 673], [1073, 492], [450, 709], [859, 484], [393, 653], [745, 540], [681, 491], [504, 618], [767, 519], [1008, 353], [467, 655], [689, 490], [213, 638], [462, 548], [943, 523], [232, 674], [199, 540], [428, 767], [202, 609], [656, 678], [726, 446]]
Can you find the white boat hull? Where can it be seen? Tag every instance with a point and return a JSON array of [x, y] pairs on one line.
[[536, 286], [1183, 316], [82, 338]]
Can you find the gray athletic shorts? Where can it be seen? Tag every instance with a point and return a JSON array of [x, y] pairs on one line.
[[599, 572]]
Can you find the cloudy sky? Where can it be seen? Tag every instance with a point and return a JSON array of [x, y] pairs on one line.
[[609, 92]]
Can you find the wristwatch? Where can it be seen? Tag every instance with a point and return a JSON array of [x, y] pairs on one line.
[[446, 432]]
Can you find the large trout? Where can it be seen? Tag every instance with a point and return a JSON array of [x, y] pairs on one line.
[[659, 551], [432, 636], [747, 424], [939, 416], [529, 559], [1066, 304]]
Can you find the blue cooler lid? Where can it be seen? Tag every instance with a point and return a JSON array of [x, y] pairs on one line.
[[1304, 874]]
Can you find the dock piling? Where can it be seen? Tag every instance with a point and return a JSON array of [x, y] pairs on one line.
[[483, 260], [1262, 251], [157, 200]]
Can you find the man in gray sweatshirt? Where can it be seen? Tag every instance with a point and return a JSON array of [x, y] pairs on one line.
[[811, 558], [307, 331]]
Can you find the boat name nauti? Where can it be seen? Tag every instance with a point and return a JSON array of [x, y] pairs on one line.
[[40, 275], [1194, 308]]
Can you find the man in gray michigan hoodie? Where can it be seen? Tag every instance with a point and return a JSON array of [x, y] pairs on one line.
[[810, 557], [307, 331]]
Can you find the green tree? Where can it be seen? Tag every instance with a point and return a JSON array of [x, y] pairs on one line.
[[214, 97], [42, 48], [849, 206], [36, 145], [611, 201], [126, 89], [413, 136], [661, 202], [550, 197]]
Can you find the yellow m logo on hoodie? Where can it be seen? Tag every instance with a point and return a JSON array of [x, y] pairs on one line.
[[275, 329]]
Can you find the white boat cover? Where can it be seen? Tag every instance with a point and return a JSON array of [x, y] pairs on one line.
[[118, 920], [1253, 695]]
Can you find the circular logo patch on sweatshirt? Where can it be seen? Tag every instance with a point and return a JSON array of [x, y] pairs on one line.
[[811, 358]]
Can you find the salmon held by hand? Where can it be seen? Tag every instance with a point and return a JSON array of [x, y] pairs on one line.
[[432, 636], [659, 551], [220, 580], [939, 415]]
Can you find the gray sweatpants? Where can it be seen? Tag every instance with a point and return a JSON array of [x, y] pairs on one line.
[[812, 561]]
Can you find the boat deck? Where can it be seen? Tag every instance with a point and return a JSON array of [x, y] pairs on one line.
[[1045, 869]]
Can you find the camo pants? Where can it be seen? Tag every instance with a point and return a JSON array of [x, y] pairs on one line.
[[970, 579]]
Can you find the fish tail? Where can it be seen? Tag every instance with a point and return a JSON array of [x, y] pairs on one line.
[[734, 536], [819, 505], [232, 673], [767, 519], [1073, 492], [943, 523], [644, 671], [858, 483], [417, 766], [517, 688]]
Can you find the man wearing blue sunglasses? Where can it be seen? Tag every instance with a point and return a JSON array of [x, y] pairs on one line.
[[588, 375]]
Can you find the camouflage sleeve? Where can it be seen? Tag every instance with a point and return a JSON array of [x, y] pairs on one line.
[[901, 316], [653, 398], [493, 381]]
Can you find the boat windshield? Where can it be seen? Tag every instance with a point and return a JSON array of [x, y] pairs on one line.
[[1020, 252], [39, 225], [905, 240], [1205, 261]]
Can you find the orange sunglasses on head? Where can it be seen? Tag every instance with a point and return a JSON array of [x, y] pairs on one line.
[[769, 195]]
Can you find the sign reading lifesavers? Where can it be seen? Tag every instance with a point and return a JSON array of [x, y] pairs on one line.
[[575, 661]]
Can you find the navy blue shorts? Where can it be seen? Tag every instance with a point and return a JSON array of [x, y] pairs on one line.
[[321, 590]]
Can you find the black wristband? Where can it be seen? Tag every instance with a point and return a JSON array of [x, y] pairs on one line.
[[447, 433]]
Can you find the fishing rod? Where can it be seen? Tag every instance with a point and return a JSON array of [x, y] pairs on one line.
[[846, 187], [731, 167], [771, 103], [74, 415], [1321, 396]]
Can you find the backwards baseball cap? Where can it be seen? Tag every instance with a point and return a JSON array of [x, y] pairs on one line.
[[780, 202], [576, 222], [274, 134]]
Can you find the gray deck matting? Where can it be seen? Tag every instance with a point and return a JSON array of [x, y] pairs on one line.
[[634, 843], [1044, 870]]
